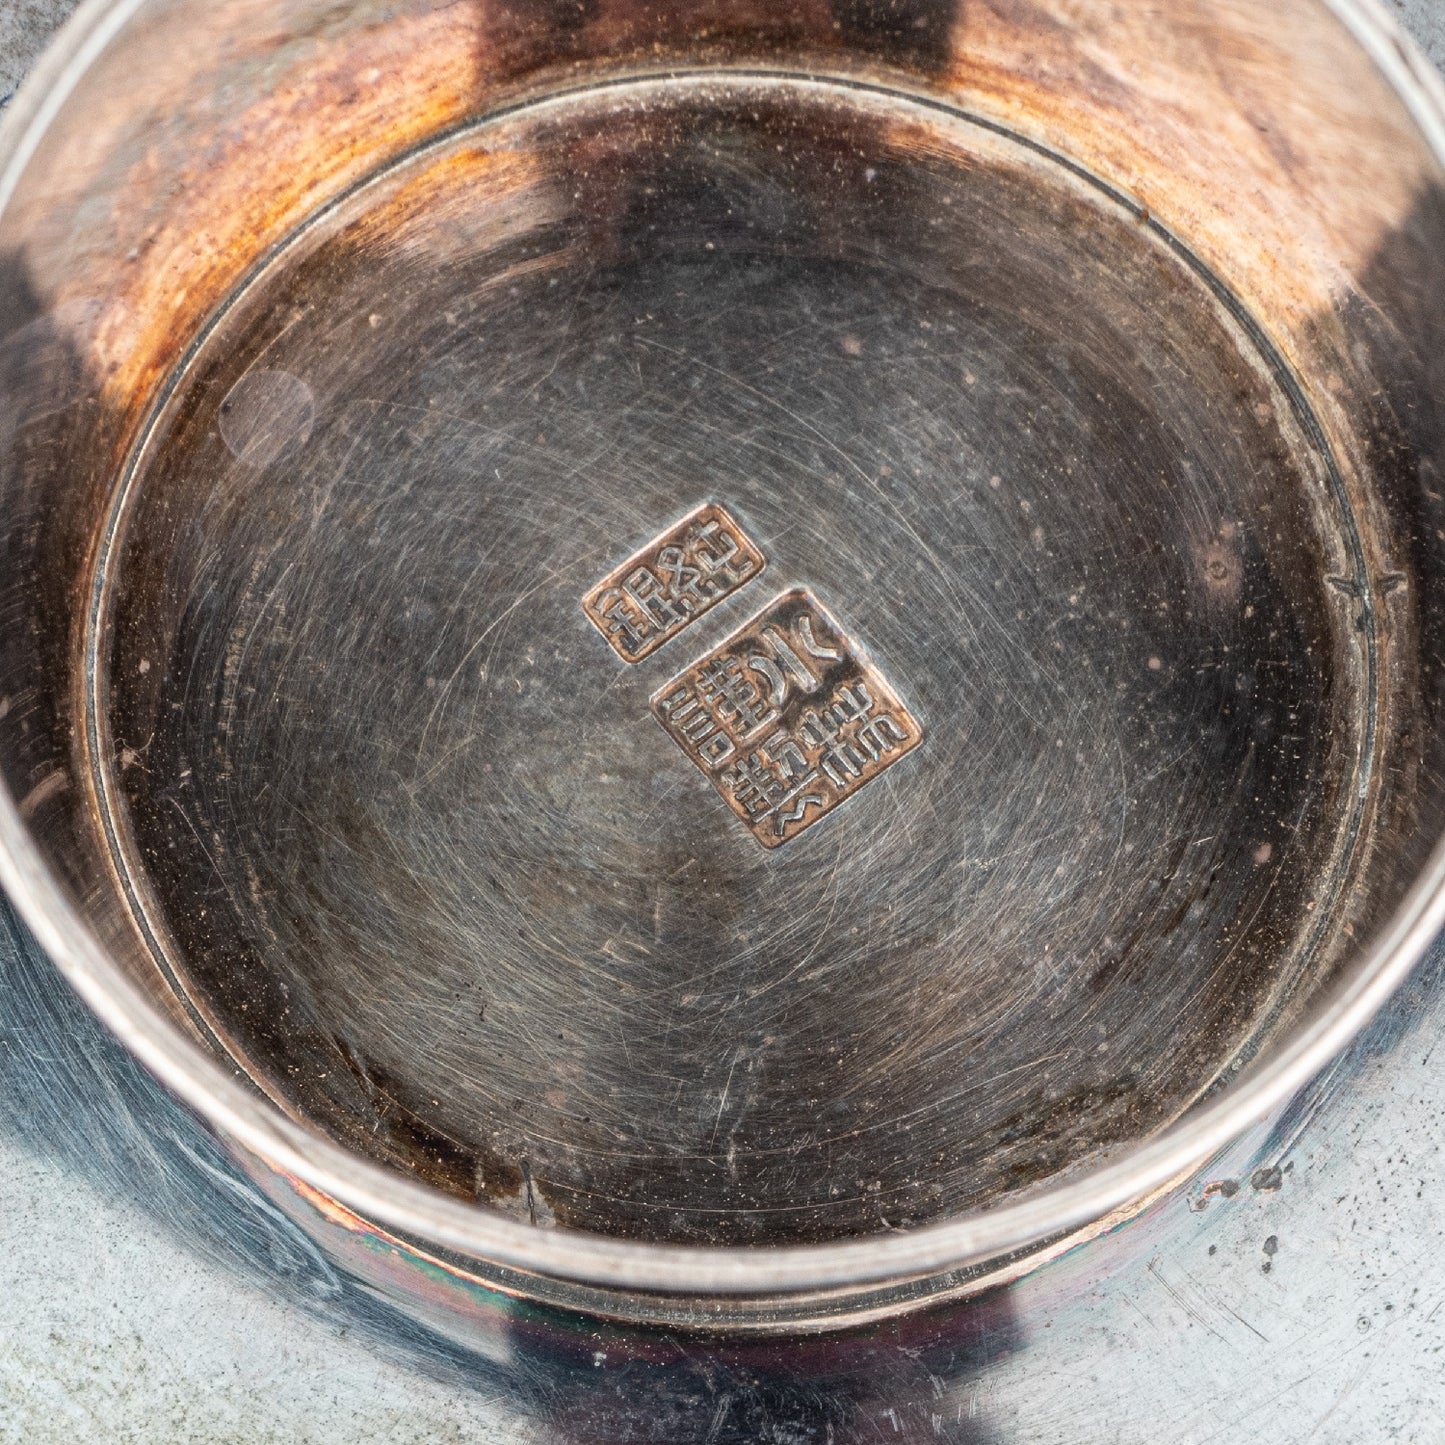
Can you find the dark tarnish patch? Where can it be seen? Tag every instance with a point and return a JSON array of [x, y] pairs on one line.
[[1222, 1188], [1267, 1179], [1049, 1127], [915, 33], [443, 1162], [53, 436]]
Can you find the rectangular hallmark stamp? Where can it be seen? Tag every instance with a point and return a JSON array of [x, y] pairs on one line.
[[786, 718], [672, 581]]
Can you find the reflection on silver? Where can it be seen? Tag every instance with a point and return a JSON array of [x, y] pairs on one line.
[[265, 415]]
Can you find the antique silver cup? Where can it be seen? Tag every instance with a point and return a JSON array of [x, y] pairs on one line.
[[723, 663]]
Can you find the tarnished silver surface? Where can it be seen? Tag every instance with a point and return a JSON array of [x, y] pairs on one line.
[[1192, 1323], [1112, 449], [401, 826]]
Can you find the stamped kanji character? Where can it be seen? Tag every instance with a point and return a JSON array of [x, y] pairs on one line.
[[801, 778], [775, 780], [780, 660], [679, 580], [790, 758], [733, 696], [678, 576], [696, 727], [796, 811], [755, 784], [651, 596], [719, 555], [881, 735], [626, 626], [787, 719], [807, 627], [844, 757]]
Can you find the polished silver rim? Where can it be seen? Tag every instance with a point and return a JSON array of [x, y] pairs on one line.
[[414, 1209]]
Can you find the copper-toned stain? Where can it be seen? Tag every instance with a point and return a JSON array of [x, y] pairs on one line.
[[462, 201], [1167, 144], [220, 195], [786, 718], [648, 599]]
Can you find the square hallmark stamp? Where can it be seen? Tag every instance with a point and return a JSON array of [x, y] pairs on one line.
[[691, 567], [787, 718]]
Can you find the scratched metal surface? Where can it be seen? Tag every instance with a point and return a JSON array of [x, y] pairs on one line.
[[147, 1293], [323, 761]]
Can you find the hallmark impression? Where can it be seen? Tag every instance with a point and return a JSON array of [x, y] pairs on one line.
[[695, 564], [786, 718]]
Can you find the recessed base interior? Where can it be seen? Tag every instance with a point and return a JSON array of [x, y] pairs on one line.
[[404, 827]]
